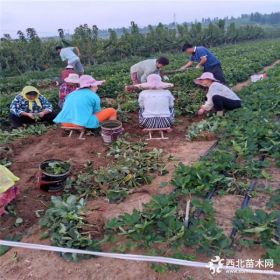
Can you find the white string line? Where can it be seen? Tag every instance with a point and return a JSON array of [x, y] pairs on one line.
[[132, 257]]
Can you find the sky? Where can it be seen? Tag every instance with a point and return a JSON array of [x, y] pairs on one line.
[[47, 16]]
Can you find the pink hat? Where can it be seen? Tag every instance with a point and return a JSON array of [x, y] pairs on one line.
[[88, 81], [154, 82], [72, 78], [205, 76]]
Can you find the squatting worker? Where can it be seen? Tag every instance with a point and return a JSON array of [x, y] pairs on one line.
[[82, 106], [30, 107], [140, 71], [71, 83], [156, 103], [219, 97], [72, 58], [69, 69], [205, 59]]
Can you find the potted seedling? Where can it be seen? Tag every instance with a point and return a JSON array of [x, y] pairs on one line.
[[54, 173]]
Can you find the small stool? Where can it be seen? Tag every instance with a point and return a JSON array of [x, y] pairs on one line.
[[73, 127], [161, 130]]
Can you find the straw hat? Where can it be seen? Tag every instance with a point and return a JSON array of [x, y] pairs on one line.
[[88, 81], [72, 78], [205, 76], [154, 82]]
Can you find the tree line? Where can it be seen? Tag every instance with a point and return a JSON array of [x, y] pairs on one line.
[[29, 52], [273, 18]]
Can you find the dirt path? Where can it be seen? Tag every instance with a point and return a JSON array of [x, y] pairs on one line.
[[240, 86]]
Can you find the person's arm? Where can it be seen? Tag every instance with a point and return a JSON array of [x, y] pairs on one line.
[[78, 51], [141, 100], [188, 65], [15, 107], [208, 105], [62, 56], [143, 78], [171, 100], [202, 53], [98, 105], [30, 115], [203, 60], [62, 91], [95, 102], [46, 106]]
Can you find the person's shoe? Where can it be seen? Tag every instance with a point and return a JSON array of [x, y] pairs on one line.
[[220, 113]]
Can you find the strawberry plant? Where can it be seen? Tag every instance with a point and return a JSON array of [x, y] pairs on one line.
[[7, 136], [57, 167], [162, 221], [258, 227], [209, 125], [274, 200], [64, 222], [134, 167]]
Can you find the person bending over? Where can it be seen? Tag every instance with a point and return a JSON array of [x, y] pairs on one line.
[[140, 71], [205, 59]]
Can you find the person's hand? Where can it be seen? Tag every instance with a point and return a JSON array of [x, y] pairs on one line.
[[182, 68], [30, 115], [198, 66], [201, 111], [42, 114]]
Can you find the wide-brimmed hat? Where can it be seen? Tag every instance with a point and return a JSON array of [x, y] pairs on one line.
[[69, 66], [72, 78], [205, 76], [88, 81], [154, 82]]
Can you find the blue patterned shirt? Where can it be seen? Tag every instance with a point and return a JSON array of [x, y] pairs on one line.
[[20, 105]]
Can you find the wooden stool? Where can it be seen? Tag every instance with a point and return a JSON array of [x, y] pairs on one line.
[[161, 130], [73, 127]]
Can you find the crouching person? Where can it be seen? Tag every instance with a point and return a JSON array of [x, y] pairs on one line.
[[82, 106], [30, 107], [156, 103], [219, 96]]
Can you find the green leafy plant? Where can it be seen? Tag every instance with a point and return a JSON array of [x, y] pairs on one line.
[[274, 200], [57, 167], [258, 226], [64, 222], [195, 130], [134, 167]]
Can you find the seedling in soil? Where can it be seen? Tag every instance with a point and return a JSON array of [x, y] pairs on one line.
[[36, 117], [274, 200], [57, 167]]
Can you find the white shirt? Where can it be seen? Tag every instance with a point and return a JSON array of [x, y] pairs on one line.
[[144, 69], [218, 89], [68, 54], [156, 103]]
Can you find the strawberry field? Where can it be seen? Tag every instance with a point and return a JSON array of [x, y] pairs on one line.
[[232, 184]]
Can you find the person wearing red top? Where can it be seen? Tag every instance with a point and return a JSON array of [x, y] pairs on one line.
[[71, 83], [69, 69]]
